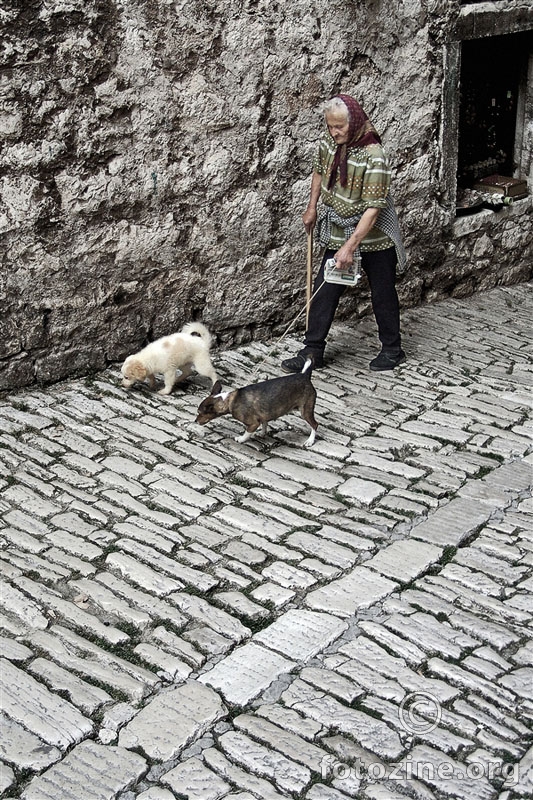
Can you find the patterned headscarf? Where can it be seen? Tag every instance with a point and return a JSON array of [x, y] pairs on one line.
[[360, 133]]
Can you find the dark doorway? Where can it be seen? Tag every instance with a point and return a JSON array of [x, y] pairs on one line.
[[492, 71]]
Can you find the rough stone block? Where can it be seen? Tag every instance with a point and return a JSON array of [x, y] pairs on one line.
[[172, 720], [247, 672]]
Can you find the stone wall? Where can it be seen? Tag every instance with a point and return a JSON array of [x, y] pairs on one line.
[[156, 160]]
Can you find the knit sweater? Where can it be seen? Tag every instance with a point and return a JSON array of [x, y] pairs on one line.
[[369, 179]]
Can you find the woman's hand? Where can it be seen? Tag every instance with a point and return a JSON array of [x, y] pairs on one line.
[[344, 257], [309, 218]]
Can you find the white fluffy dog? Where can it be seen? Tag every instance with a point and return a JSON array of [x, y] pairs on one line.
[[184, 350]]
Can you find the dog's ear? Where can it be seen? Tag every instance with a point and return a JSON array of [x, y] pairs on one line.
[[217, 388], [137, 369]]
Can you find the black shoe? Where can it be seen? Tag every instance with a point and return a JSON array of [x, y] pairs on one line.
[[387, 361], [297, 363]]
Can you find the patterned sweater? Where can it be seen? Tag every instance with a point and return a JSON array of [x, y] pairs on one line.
[[369, 179]]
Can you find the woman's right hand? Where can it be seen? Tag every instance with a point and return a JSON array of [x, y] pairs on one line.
[[309, 218]]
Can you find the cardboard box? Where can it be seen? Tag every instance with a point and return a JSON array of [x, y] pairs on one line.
[[501, 184]]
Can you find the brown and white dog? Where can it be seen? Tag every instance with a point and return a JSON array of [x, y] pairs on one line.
[[185, 350], [258, 403]]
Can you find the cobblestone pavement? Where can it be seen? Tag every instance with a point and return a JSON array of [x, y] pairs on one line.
[[183, 616]]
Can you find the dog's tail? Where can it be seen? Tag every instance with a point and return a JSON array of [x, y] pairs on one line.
[[198, 329], [309, 364]]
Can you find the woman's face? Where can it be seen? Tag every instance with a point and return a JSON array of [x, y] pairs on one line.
[[338, 126]]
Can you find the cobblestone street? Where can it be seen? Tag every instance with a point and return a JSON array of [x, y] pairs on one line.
[[184, 616]]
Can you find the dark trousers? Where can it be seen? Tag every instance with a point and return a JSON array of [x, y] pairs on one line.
[[380, 268]]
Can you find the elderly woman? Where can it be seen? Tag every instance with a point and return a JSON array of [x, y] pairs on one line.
[[351, 176]]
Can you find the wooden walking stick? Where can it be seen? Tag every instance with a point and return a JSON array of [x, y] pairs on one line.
[[309, 277]]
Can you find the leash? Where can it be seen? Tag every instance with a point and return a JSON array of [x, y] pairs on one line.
[[309, 296], [308, 299], [286, 331]]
